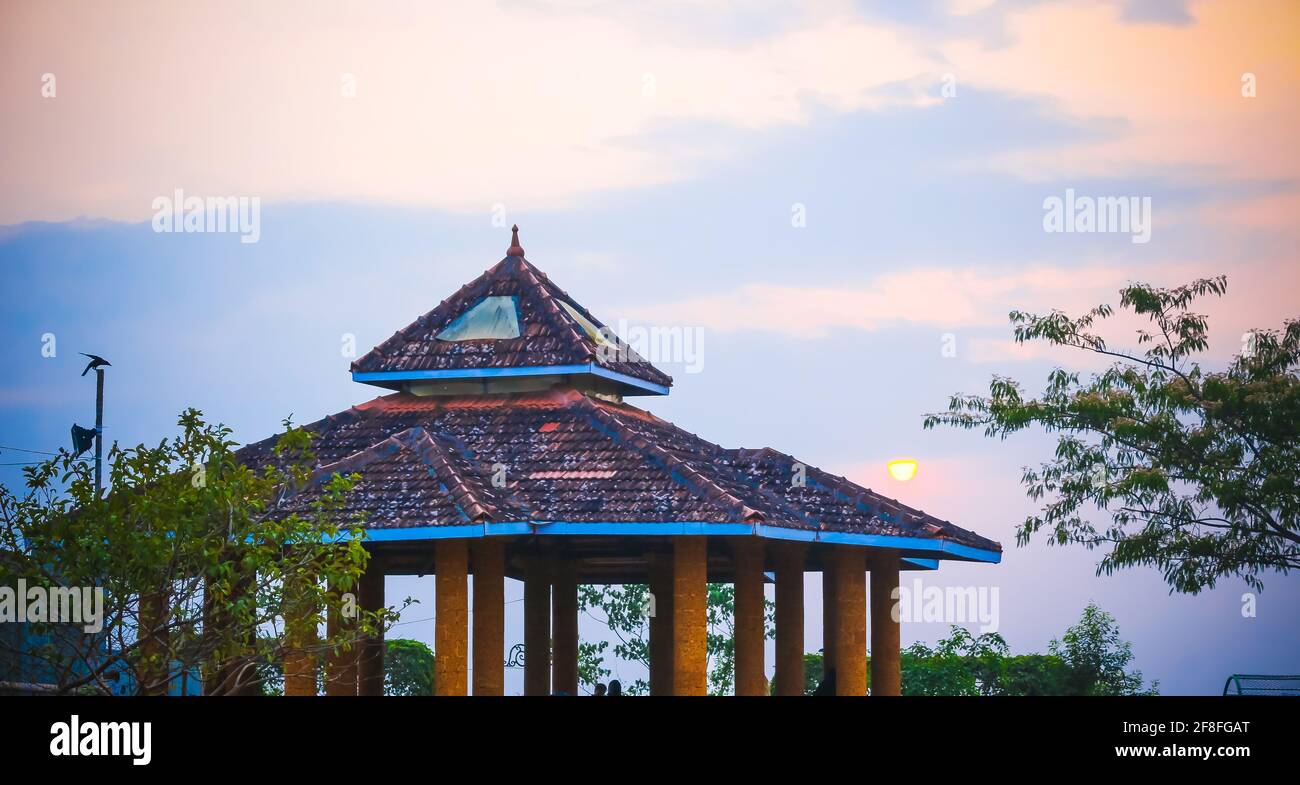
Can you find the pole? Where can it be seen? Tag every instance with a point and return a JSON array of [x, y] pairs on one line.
[[99, 431]]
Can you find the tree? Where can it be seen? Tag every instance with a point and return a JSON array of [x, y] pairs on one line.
[[1198, 471], [961, 664], [1033, 674], [199, 557], [626, 611], [408, 667], [591, 670], [814, 670], [627, 614], [1097, 659], [1090, 659]]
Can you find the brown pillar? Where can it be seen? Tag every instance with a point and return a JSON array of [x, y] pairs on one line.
[[886, 672], [489, 617], [217, 678], [690, 616], [830, 610], [850, 573], [348, 659], [302, 638], [451, 622], [340, 664], [661, 624], [789, 618], [370, 654], [241, 676], [155, 643], [751, 632], [537, 628], [564, 627]]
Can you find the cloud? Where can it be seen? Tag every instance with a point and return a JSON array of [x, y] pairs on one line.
[[459, 106], [941, 297], [537, 105], [1174, 93], [1170, 12]]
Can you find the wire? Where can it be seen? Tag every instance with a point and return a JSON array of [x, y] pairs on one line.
[[22, 449]]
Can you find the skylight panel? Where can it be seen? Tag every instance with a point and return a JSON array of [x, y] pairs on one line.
[[490, 318], [592, 330]]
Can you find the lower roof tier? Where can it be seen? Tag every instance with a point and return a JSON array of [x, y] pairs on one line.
[[564, 462]]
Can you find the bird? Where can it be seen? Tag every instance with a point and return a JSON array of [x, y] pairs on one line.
[[95, 362]]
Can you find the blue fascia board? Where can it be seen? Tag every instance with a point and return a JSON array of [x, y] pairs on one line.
[[504, 373], [933, 550], [657, 389]]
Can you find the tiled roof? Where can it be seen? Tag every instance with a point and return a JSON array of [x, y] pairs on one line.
[[550, 336], [567, 456]]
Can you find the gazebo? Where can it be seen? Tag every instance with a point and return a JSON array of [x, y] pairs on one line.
[[507, 448]]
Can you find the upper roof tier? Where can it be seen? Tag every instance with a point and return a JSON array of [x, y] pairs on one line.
[[509, 329]]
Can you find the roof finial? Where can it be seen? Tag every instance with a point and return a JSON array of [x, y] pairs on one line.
[[515, 248]]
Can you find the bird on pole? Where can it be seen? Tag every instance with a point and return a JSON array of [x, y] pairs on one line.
[[96, 362], [80, 436]]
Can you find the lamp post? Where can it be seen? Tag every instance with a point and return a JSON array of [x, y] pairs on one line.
[[96, 364], [99, 432]]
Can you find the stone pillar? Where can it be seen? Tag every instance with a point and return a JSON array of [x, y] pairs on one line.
[[661, 624], [451, 622], [886, 669], [750, 627], [340, 663], [690, 616], [850, 577], [830, 610], [537, 628], [301, 638], [218, 679], [789, 618], [489, 617], [370, 653], [348, 659], [153, 623], [564, 624], [240, 676]]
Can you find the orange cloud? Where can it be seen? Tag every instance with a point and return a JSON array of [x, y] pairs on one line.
[[1176, 91], [460, 106]]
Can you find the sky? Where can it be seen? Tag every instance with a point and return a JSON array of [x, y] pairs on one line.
[[842, 200]]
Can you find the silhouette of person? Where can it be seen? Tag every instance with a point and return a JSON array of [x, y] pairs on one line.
[[600, 690], [615, 688], [827, 687]]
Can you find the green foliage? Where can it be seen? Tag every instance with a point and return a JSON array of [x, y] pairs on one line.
[[408, 667], [626, 611], [1198, 472], [590, 664], [1090, 659], [962, 664], [814, 668], [1034, 674], [188, 524], [1097, 659]]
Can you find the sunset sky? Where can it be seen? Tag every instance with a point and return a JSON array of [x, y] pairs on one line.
[[830, 193]]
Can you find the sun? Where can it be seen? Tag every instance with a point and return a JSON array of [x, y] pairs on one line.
[[902, 469]]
